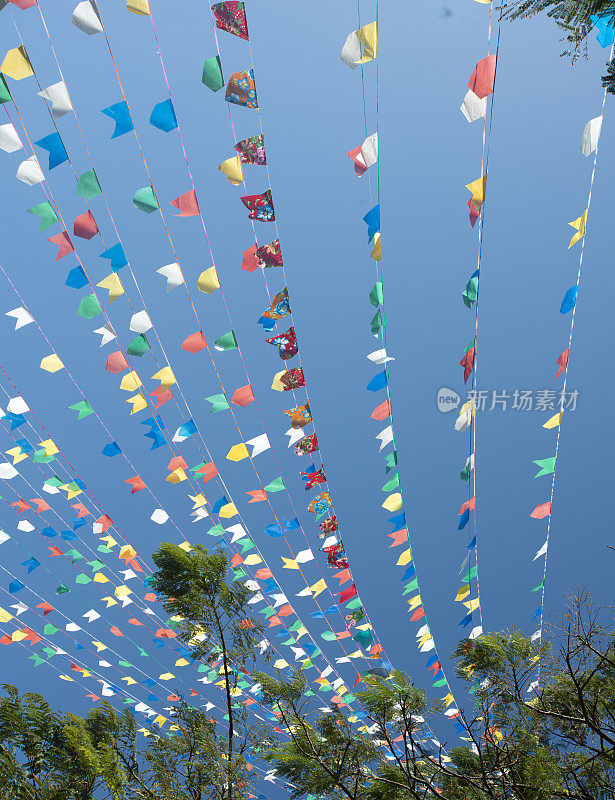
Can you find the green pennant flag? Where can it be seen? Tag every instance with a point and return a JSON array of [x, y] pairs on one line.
[[102, 548], [276, 485], [228, 341], [246, 544], [239, 573], [145, 200], [465, 473], [96, 565], [411, 587], [74, 555], [54, 481], [89, 307], [376, 322], [5, 93], [46, 213], [218, 403], [83, 409], [376, 296], [212, 74], [471, 345], [39, 457], [441, 682], [390, 461], [217, 530], [37, 660], [392, 483], [470, 293], [88, 186], [81, 578], [328, 636], [540, 586], [354, 603], [138, 346], [469, 575], [547, 466], [49, 629]]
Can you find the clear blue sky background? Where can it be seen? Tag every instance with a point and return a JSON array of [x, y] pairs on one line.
[[312, 114]]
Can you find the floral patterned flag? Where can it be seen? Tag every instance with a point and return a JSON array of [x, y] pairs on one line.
[[270, 255], [299, 416], [309, 444], [241, 89], [313, 477], [231, 17], [286, 343], [321, 503], [328, 526], [292, 379], [252, 150], [280, 306], [260, 206]]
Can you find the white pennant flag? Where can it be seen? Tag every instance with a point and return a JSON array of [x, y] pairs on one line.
[[591, 134], [159, 516], [7, 471], [21, 315], [380, 357], [536, 635], [173, 274], [30, 172], [57, 94], [19, 608], [238, 532], [91, 615], [106, 333], [259, 443], [533, 686], [72, 627], [140, 322], [25, 527], [4, 537], [473, 107], [9, 138], [542, 551], [294, 434], [17, 405], [86, 18], [303, 556], [475, 632], [385, 436]]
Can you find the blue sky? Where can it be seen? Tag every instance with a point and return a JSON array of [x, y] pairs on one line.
[[312, 113]]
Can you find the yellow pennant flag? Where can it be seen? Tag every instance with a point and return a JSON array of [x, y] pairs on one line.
[[368, 36], [318, 588], [238, 452], [472, 605], [414, 602], [185, 546], [110, 601], [280, 663], [160, 720], [277, 384], [138, 403], [208, 281], [478, 189], [405, 558], [177, 476], [554, 421], [99, 646], [122, 591], [18, 636], [579, 225], [166, 377], [198, 500], [114, 285], [127, 553], [166, 676], [463, 592], [51, 363], [50, 447], [393, 502], [138, 7], [5, 616], [252, 560], [16, 64], [232, 169], [130, 382], [289, 563], [448, 698], [181, 662], [65, 678], [16, 453], [376, 253], [100, 578], [227, 511]]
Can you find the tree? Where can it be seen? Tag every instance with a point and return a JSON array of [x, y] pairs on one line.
[[572, 17], [557, 741], [215, 623]]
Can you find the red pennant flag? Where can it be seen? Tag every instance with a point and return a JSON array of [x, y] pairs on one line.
[[85, 226], [243, 396], [482, 80], [136, 483], [116, 631], [208, 471], [135, 565], [467, 362], [257, 495], [46, 608], [133, 621], [93, 697], [236, 560], [285, 610], [344, 575], [418, 614], [359, 167], [177, 462], [399, 537], [469, 505], [435, 667], [186, 204], [41, 505], [116, 362], [6, 640], [165, 633], [105, 522], [32, 636], [21, 506], [562, 360], [80, 509], [273, 621], [151, 597], [474, 213], [55, 551], [541, 511], [173, 698], [195, 342], [196, 694], [375, 650], [24, 4], [250, 261], [382, 411], [64, 244], [162, 395], [351, 591], [263, 573]]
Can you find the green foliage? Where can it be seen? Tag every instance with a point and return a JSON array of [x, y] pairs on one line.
[[572, 17]]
